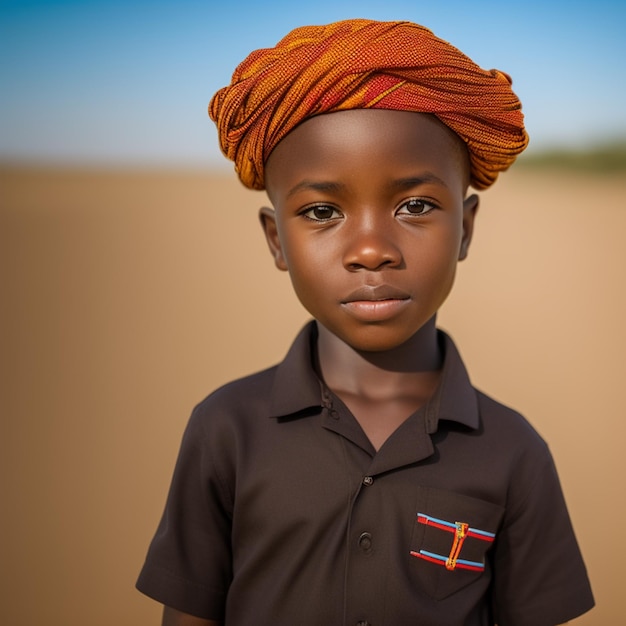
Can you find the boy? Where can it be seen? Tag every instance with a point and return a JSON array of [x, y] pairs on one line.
[[364, 481]]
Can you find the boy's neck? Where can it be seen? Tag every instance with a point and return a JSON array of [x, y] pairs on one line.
[[410, 369]]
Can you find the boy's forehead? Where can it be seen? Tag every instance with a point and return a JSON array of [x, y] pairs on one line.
[[382, 135]]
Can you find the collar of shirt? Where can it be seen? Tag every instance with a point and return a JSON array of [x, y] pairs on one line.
[[297, 390]]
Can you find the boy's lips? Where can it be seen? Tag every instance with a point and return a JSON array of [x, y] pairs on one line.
[[367, 293], [375, 304]]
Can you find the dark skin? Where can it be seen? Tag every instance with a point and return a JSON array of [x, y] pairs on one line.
[[371, 216], [370, 220], [172, 617], [376, 389]]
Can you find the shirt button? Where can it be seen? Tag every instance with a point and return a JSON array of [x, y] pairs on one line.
[[363, 623], [368, 480], [334, 414], [365, 542]]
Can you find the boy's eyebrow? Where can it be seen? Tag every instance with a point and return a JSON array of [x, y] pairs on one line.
[[415, 181], [316, 186], [400, 184]]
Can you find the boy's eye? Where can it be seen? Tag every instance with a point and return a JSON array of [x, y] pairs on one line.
[[415, 206], [321, 213]]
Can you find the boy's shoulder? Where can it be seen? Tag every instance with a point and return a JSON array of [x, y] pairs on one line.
[[280, 390], [240, 397], [502, 418]]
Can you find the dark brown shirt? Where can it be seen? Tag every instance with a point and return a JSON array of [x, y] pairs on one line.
[[281, 512]]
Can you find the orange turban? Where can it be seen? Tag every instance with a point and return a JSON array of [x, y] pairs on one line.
[[360, 64]]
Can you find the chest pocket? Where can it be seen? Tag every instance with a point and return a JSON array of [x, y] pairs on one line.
[[452, 535]]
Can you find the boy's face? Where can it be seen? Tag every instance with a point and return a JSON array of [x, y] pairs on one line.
[[370, 220]]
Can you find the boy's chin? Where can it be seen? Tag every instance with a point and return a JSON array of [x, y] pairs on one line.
[[378, 338]]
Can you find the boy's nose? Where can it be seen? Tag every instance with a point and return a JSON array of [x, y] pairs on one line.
[[370, 247]]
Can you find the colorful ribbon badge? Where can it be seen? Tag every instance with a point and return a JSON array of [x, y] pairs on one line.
[[461, 532]]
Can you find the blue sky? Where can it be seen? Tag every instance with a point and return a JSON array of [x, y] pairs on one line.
[[129, 82]]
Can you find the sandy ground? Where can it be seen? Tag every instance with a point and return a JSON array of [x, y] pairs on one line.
[[128, 296]]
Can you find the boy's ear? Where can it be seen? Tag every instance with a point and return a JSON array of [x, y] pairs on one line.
[[267, 218], [470, 208]]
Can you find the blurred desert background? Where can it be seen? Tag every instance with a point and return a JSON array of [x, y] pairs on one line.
[[127, 296], [134, 278]]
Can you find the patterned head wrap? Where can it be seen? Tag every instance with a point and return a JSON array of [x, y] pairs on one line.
[[361, 64]]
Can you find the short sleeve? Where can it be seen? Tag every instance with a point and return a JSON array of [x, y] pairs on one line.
[[188, 565], [540, 577]]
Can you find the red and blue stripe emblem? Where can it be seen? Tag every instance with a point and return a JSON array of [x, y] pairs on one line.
[[461, 531]]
